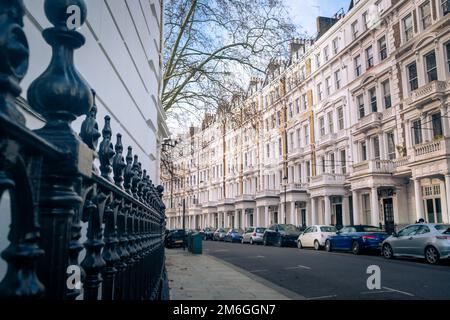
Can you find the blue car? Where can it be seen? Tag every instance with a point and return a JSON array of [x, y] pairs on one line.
[[234, 235], [356, 239]]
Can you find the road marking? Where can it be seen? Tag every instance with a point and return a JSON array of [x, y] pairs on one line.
[[257, 271], [298, 267], [221, 250], [376, 291], [402, 292], [323, 297]]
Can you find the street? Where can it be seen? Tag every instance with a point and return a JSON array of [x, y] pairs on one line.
[[337, 275]]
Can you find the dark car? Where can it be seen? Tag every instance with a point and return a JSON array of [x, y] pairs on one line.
[[281, 235], [234, 235], [175, 238], [356, 239], [207, 234], [219, 234]]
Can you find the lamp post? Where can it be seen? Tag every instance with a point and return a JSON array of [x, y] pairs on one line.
[[285, 180]]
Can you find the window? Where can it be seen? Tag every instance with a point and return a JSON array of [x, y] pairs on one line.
[[291, 141], [330, 122], [340, 112], [365, 21], [390, 145], [305, 102], [332, 163], [337, 78], [425, 14], [376, 148], [361, 107], [358, 68], [299, 138], [308, 169], [382, 47], [322, 126], [319, 92], [278, 118], [431, 68], [445, 4], [369, 57], [373, 99], [326, 53], [412, 76], [343, 162], [408, 27], [280, 147], [447, 50], [318, 60], [436, 120], [366, 207], [328, 86], [363, 151], [291, 111], [417, 132], [335, 46], [268, 150], [386, 94], [355, 30], [297, 105], [322, 161], [307, 142]]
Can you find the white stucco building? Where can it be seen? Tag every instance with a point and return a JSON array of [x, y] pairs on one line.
[[353, 129]]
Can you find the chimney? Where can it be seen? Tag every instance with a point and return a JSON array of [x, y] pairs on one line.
[[324, 24]]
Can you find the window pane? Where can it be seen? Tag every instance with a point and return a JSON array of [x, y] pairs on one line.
[[437, 125], [430, 61], [412, 74]]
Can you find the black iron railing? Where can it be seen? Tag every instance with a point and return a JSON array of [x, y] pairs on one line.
[[55, 188]]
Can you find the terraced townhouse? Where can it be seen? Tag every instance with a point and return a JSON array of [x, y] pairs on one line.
[[352, 129]]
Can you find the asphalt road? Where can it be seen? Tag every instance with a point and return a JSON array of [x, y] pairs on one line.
[[320, 275]]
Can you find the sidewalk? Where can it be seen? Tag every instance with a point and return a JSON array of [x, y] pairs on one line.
[[203, 277]]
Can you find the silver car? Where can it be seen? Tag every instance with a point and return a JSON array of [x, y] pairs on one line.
[[253, 235], [424, 240]]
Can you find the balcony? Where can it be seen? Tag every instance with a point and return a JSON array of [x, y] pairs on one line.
[[267, 193], [327, 140], [244, 198], [374, 166], [372, 120], [293, 187], [327, 179], [427, 93], [431, 150]]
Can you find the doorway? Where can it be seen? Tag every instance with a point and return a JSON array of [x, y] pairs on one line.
[[388, 208]]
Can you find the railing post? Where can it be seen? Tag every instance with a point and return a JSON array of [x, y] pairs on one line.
[[53, 96]]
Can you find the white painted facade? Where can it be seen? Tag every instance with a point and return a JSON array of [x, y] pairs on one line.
[[338, 123]]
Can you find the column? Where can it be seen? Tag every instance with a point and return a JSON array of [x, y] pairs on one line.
[[444, 120], [266, 216], [346, 210], [327, 210], [256, 222], [236, 219], [383, 150], [447, 195], [375, 207], [313, 211], [293, 214], [419, 200], [356, 208], [308, 213]]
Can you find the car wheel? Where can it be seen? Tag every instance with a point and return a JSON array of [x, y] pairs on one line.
[[251, 241], [432, 255], [356, 248], [328, 246], [316, 245], [299, 244], [387, 251]]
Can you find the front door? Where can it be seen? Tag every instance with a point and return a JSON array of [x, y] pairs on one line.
[[303, 214], [338, 209], [388, 209]]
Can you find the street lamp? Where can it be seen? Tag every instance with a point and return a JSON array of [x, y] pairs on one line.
[[285, 181]]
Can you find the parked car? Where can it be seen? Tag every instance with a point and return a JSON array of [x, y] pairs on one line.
[[281, 235], [356, 239], [219, 234], [175, 238], [253, 235], [234, 235], [315, 236], [430, 241], [208, 233]]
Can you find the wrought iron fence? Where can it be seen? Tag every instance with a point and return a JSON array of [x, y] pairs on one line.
[[55, 188]]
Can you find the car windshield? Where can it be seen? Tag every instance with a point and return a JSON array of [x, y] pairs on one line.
[[443, 228], [260, 230], [287, 227], [328, 229]]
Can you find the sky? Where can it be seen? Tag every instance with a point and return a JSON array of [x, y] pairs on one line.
[[305, 12]]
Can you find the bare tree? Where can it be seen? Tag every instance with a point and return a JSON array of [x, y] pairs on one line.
[[209, 44]]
